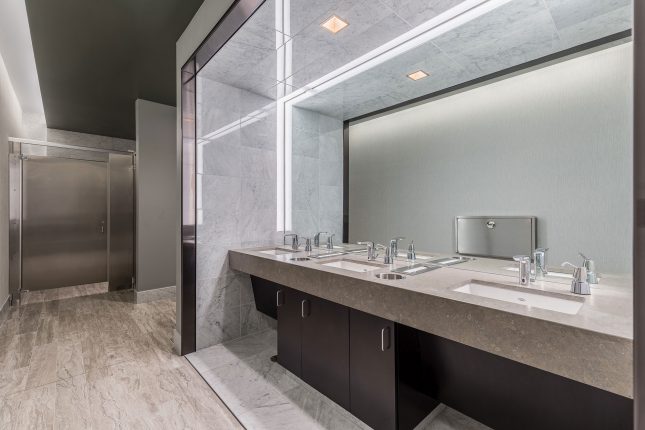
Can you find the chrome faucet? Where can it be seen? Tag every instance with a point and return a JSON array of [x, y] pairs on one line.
[[330, 241], [372, 250], [388, 257], [412, 253], [317, 238], [307, 244], [394, 246], [525, 269], [590, 266], [579, 284], [539, 257], [294, 240]]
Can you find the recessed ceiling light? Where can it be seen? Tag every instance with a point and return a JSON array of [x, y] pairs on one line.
[[419, 74], [334, 24]]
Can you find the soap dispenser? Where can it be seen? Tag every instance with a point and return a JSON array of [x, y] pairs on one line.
[[412, 254]]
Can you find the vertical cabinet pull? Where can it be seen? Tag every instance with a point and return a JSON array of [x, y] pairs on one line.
[[278, 298], [383, 344], [302, 308]]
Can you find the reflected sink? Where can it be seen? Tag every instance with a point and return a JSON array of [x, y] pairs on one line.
[[523, 296], [352, 266], [550, 274], [277, 251]]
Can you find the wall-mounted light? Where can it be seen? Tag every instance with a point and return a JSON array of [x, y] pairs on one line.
[[334, 24], [419, 74]]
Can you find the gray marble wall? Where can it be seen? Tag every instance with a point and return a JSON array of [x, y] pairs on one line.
[[236, 189], [317, 173]]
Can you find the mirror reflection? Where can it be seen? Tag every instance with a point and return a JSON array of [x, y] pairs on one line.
[[469, 119]]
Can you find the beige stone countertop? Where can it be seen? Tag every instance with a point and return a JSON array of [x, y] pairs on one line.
[[593, 346]]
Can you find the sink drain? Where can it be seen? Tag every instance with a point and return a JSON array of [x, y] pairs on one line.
[[521, 299]]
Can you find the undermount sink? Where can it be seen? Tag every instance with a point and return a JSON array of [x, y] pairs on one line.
[[277, 251], [523, 296], [352, 266]]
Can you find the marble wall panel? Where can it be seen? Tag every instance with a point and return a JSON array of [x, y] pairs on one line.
[[237, 203], [317, 174]]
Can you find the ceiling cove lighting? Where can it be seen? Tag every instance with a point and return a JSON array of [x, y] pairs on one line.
[[419, 74], [334, 24]]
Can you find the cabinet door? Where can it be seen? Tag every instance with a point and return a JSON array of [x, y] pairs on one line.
[[289, 304], [325, 348], [372, 370]]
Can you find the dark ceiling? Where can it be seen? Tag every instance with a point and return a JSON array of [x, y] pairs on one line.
[[95, 58]]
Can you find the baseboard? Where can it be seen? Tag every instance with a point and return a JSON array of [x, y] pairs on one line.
[[156, 294], [177, 340], [431, 417], [4, 310]]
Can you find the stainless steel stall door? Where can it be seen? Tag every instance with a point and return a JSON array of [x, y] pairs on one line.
[[121, 230], [64, 222]]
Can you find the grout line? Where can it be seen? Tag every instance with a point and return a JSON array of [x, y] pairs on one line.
[[215, 392]]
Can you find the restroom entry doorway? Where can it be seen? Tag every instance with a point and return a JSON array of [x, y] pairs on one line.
[[76, 218]]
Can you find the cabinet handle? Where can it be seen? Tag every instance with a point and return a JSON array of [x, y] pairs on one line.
[[278, 298], [302, 309], [383, 348]]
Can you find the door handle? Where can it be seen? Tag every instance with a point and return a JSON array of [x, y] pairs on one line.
[[302, 308], [102, 226], [383, 348], [278, 298]]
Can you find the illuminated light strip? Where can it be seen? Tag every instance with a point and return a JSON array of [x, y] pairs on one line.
[[441, 24]]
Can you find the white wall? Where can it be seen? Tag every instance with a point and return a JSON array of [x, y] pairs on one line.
[[555, 143], [10, 126], [156, 195]]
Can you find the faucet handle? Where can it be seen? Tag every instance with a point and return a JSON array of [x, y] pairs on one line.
[[579, 284], [521, 258]]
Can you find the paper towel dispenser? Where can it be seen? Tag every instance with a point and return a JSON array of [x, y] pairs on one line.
[[496, 236]]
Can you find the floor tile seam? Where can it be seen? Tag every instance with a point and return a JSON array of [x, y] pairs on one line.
[[215, 392]]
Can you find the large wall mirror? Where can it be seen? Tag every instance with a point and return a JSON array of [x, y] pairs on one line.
[[485, 109], [369, 120]]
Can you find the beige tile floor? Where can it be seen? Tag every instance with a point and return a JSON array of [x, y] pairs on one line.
[[82, 358]]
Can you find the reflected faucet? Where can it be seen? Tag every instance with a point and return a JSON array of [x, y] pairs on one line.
[[539, 257], [590, 266], [372, 251], [294, 241], [330, 241], [394, 246], [317, 238]]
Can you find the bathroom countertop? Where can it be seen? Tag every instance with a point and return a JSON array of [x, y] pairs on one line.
[[593, 346]]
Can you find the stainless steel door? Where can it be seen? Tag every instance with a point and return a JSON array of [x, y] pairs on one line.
[[121, 222], [64, 222]]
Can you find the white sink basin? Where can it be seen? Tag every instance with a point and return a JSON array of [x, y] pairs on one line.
[[352, 266], [523, 296]]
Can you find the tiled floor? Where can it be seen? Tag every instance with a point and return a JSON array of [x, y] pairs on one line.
[[82, 358], [264, 396]]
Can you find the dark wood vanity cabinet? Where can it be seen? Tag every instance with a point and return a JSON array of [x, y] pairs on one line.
[[313, 342], [372, 370], [289, 303]]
